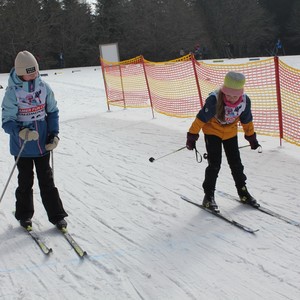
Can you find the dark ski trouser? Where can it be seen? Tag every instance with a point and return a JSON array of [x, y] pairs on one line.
[[214, 152], [48, 191]]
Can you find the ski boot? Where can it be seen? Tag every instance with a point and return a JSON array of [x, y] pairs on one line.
[[246, 198], [26, 223], [210, 203], [60, 224]]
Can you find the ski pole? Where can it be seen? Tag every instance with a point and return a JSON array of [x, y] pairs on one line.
[[198, 156], [52, 164], [245, 146], [13, 169], [259, 147], [152, 159]]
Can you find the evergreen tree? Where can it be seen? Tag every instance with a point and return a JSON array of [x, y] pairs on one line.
[[293, 30], [20, 29], [76, 29], [157, 29], [52, 16], [282, 12]]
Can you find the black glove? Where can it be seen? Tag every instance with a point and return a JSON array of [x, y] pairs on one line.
[[252, 141], [191, 140], [52, 142]]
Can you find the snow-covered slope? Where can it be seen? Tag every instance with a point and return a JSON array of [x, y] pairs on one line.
[[143, 241]]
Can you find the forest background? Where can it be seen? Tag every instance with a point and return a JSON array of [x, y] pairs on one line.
[[156, 29]]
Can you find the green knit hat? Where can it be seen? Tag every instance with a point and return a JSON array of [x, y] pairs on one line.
[[233, 84]]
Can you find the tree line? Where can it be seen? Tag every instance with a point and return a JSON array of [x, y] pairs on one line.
[[157, 29]]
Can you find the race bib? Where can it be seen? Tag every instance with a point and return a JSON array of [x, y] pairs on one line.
[[232, 113], [31, 105]]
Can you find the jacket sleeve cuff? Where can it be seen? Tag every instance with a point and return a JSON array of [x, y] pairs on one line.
[[11, 127]]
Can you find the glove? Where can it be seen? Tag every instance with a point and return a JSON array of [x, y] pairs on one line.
[[52, 142], [28, 135], [252, 141], [191, 140]]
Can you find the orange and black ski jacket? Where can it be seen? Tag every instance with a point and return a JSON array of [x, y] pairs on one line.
[[207, 121]]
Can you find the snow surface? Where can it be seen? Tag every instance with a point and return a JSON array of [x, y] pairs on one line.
[[143, 241]]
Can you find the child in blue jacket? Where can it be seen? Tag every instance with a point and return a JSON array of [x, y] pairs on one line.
[[30, 113]]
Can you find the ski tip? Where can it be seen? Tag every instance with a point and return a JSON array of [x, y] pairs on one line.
[[84, 254], [81, 253]]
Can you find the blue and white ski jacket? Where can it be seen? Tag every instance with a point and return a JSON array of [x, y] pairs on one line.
[[29, 104]]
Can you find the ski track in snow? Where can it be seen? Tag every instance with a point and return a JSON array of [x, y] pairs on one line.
[[143, 241]]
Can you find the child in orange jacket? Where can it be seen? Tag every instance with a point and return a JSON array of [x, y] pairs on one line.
[[218, 120]]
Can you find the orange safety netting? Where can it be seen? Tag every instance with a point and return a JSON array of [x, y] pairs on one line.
[[260, 87], [125, 83], [179, 88], [173, 87], [290, 102]]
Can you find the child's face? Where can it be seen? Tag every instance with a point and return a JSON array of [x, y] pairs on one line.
[[232, 99], [29, 77]]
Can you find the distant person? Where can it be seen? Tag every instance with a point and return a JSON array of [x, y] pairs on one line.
[[197, 52], [218, 120], [181, 52], [61, 60], [204, 52], [279, 50], [229, 50], [30, 114]]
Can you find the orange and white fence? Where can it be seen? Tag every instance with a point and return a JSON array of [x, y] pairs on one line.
[[179, 88]]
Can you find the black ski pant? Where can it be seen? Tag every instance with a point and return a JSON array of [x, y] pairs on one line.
[[214, 157], [48, 191]]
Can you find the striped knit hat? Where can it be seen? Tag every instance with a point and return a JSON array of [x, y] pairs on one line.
[[233, 84]]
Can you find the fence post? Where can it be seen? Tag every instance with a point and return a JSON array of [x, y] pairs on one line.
[[122, 85], [197, 81], [278, 93], [105, 85], [147, 83]]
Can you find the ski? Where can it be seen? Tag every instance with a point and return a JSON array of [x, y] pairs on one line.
[[221, 216], [81, 253], [46, 250], [264, 210], [275, 215]]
